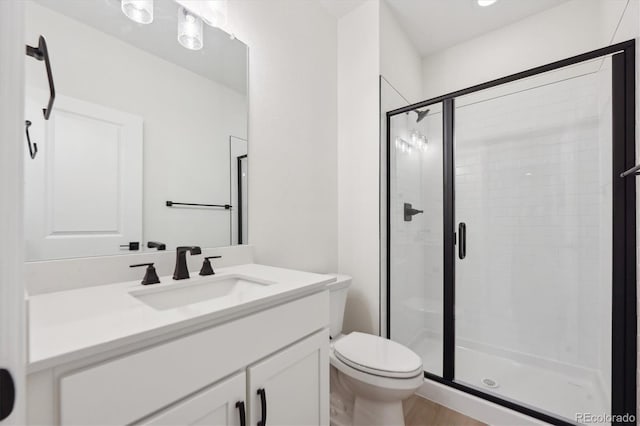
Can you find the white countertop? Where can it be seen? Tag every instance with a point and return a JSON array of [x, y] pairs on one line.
[[70, 325]]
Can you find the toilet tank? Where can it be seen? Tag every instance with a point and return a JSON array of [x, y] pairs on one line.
[[337, 301]]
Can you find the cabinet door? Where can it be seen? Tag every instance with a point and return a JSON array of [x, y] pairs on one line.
[[214, 406], [292, 386]]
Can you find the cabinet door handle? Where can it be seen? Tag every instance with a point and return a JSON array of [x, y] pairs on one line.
[[240, 407], [263, 406]]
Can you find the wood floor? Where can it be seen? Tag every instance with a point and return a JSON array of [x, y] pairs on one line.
[[421, 412]]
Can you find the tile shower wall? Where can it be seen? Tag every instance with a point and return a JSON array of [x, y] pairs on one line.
[[533, 185]]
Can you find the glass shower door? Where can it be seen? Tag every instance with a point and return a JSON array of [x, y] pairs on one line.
[[416, 227], [533, 200]]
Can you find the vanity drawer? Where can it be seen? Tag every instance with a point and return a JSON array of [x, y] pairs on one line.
[[128, 388]]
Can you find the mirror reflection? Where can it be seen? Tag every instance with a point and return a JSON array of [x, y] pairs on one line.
[[146, 145]]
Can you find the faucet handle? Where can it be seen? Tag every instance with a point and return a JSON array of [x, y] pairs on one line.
[[191, 249], [150, 275], [207, 269]]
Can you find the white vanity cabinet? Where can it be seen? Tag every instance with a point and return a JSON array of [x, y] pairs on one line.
[[291, 387], [222, 404], [196, 376]]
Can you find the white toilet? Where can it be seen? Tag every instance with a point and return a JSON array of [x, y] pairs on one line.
[[370, 375]]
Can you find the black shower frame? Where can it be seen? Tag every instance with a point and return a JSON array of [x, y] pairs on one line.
[[624, 296]]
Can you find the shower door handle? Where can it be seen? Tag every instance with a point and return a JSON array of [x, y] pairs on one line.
[[462, 240]]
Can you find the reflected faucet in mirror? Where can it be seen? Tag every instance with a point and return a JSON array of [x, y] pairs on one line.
[[156, 245], [181, 271]]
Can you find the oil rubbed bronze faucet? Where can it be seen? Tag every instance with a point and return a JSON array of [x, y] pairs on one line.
[[181, 272]]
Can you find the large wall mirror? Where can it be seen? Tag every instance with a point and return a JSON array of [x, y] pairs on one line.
[[146, 145]]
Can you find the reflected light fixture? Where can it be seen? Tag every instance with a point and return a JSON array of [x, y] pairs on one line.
[[218, 13], [485, 3], [212, 12], [140, 11], [419, 141], [189, 30]]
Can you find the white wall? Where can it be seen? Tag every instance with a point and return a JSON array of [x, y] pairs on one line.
[[292, 131], [13, 348], [358, 164], [186, 125], [569, 29], [400, 61]]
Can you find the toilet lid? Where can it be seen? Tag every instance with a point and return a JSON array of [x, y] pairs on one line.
[[377, 355]]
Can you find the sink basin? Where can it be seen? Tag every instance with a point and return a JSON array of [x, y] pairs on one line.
[[235, 288]]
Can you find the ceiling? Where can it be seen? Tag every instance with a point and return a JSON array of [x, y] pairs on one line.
[[222, 59], [433, 25]]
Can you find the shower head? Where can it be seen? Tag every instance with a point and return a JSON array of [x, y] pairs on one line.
[[421, 114]]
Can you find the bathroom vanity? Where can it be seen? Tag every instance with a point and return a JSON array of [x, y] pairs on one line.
[[255, 341]]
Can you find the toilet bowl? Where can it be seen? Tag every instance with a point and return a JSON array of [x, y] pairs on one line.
[[370, 375]]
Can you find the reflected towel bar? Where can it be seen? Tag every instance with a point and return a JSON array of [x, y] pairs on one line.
[[173, 203], [635, 170]]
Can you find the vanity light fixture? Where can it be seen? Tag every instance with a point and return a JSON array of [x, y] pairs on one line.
[[190, 34], [140, 11], [485, 3]]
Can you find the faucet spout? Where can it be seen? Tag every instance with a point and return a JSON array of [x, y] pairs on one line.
[[181, 271]]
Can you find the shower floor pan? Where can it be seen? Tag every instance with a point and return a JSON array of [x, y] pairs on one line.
[[550, 389]]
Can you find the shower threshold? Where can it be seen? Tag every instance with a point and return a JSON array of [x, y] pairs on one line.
[[560, 390]]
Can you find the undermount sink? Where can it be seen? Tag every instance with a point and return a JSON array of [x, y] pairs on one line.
[[182, 293]]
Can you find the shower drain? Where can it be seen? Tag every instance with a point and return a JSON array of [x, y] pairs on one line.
[[490, 383]]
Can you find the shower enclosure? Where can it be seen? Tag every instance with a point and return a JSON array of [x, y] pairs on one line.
[[511, 250]]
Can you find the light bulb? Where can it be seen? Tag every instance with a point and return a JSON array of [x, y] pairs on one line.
[[485, 3], [140, 11], [189, 30]]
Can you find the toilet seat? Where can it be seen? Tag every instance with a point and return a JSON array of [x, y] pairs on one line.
[[391, 383], [377, 356]]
